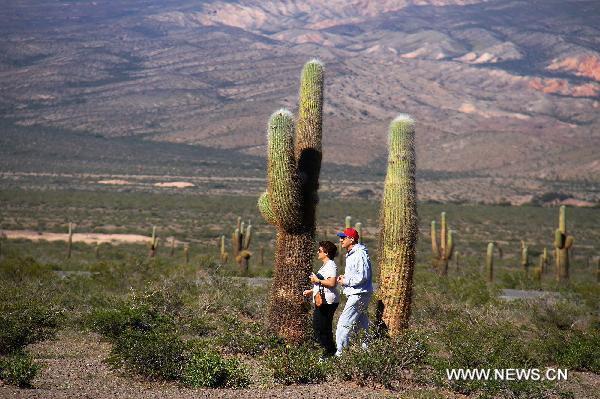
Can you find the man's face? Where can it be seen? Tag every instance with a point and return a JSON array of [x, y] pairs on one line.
[[346, 242]]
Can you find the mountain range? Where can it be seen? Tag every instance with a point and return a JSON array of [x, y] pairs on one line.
[[499, 89]]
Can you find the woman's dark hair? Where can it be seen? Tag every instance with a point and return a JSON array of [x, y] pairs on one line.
[[329, 248]]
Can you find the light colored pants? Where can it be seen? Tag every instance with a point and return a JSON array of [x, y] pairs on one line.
[[353, 317]]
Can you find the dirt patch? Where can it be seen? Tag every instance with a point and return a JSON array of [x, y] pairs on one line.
[[87, 238], [177, 184]]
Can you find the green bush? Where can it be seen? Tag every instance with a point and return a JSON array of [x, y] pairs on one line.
[[112, 323], [152, 354], [297, 364], [383, 361], [471, 343], [249, 338], [206, 368], [25, 320], [572, 349], [18, 369]]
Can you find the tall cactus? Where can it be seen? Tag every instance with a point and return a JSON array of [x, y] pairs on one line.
[[399, 228], [294, 165], [489, 262], [442, 251], [562, 244], [348, 222]]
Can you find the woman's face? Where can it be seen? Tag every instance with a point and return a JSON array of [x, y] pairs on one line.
[[322, 254]]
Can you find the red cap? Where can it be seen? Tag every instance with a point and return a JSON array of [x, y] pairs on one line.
[[349, 232]]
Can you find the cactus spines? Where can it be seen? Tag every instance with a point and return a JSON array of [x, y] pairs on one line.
[[293, 167], [489, 262], [223, 255], [562, 244], [442, 251], [399, 228], [153, 243], [70, 241]]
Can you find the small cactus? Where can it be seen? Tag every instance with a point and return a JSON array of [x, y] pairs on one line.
[[172, 253], [186, 253], [489, 262], [442, 251], [524, 256], [399, 229], [348, 222], [153, 243], [70, 241], [562, 244], [358, 228], [224, 256], [241, 239], [97, 251]]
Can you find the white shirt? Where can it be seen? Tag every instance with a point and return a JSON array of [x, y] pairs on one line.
[[329, 269]]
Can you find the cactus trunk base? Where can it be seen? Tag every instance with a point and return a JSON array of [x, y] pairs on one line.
[[293, 261]]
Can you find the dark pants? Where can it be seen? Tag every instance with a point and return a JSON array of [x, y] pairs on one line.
[[322, 324]]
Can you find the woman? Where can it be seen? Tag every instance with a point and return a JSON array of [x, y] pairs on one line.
[[325, 278]]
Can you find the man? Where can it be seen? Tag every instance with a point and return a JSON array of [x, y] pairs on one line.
[[357, 286]]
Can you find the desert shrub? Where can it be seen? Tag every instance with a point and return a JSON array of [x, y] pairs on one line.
[[383, 361], [470, 289], [18, 369], [154, 354], [24, 320], [206, 368], [571, 349], [472, 343], [249, 338], [296, 364]]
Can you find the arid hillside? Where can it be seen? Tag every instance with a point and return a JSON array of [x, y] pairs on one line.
[[505, 89]]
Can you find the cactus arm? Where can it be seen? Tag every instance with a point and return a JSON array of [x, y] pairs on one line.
[[443, 236], [283, 182], [569, 242], [264, 206], [450, 246], [248, 237]]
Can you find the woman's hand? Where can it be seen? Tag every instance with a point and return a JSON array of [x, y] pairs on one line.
[[340, 279], [307, 293], [313, 278]]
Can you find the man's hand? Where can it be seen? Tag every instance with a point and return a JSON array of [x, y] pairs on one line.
[[307, 293], [340, 279]]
